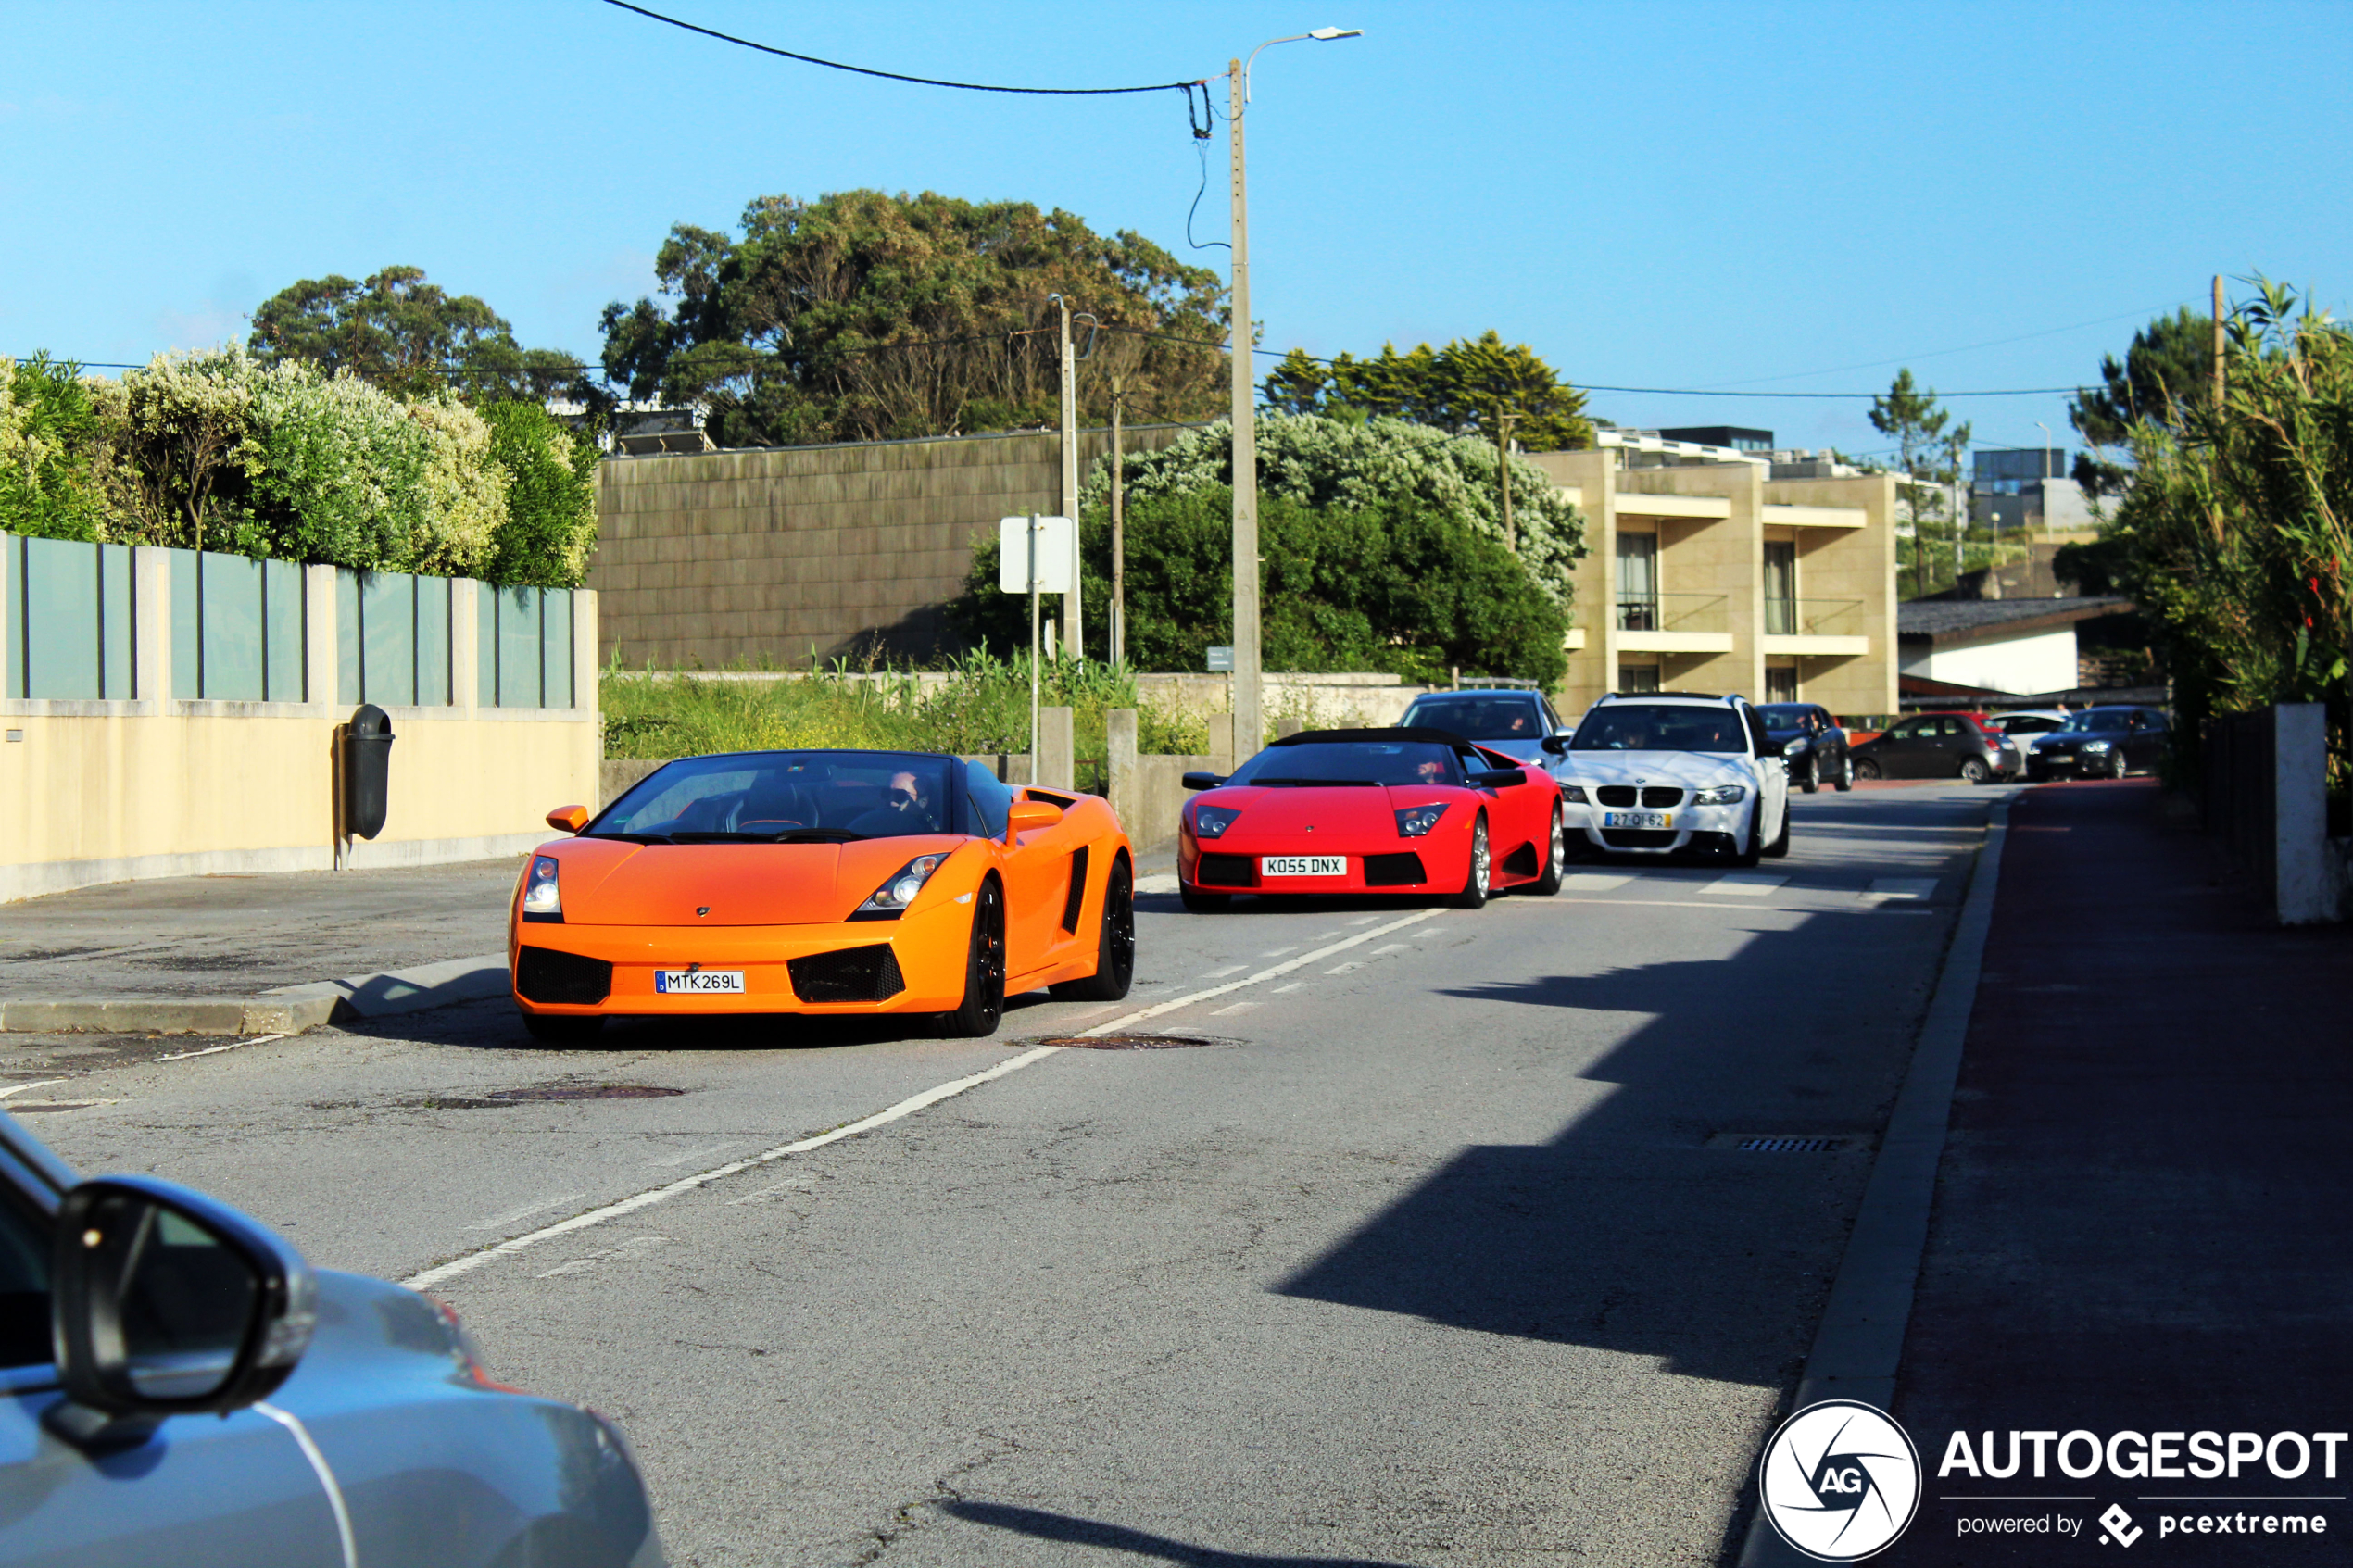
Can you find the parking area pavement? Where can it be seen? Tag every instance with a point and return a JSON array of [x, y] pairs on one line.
[[2144, 1219]]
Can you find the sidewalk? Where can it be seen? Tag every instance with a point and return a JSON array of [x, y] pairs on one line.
[[252, 954], [2144, 1216]]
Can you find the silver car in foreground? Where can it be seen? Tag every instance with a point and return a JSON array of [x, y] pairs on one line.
[[184, 1389]]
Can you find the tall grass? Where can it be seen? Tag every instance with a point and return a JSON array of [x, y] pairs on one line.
[[982, 707]]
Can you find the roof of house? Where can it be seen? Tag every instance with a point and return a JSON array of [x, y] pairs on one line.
[[1976, 621]]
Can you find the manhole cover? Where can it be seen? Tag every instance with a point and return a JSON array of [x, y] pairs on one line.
[[1789, 1143], [586, 1091], [1133, 1042]]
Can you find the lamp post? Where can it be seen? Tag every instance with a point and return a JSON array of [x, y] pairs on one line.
[[1248, 724]]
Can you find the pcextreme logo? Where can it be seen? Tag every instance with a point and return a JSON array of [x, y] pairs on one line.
[[1839, 1480]]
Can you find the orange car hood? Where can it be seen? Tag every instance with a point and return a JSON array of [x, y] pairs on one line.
[[608, 881]]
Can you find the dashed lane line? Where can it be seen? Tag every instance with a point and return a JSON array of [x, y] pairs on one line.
[[467, 1263]]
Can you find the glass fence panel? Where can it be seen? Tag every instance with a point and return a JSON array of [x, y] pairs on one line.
[[346, 636], [12, 581], [519, 648], [228, 621], [433, 642], [282, 635], [59, 603], [388, 639], [486, 645], [117, 659], [555, 648]]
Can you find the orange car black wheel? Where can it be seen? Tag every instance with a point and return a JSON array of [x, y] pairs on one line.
[[1115, 944], [984, 1003]]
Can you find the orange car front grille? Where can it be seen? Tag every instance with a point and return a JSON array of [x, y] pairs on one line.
[[542, 974], [848, 974]]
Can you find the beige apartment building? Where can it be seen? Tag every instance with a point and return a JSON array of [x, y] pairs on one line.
[[1711, 576]]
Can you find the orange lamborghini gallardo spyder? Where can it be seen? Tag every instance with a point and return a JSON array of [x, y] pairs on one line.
[[821, 881]]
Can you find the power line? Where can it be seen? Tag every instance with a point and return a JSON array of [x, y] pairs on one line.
[[1939, 353], [1184, 87]]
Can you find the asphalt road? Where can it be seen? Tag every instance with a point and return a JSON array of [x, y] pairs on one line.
[[1434, 1252]]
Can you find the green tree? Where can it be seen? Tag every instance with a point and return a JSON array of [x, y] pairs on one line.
[[551, 498], [1929, 451], [50, 433], [2167, 375], [1471, 386], [398, 332], [862, 316]]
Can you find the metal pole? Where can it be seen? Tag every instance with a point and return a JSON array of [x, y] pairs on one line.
[[1033, 647], [1249, 731], [1073, 624], [1118, 528]]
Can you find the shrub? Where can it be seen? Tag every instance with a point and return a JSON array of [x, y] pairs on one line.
[[551, 498], [50, 431]]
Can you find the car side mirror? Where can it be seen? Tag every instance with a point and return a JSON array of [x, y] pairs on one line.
[[1771, 749], [1556, 746], [568, 819], [1497, 778], [164, 1302], [1027, 815], [1203, 781]]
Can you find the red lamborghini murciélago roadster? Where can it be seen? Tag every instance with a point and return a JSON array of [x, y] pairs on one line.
[[1407, 811]]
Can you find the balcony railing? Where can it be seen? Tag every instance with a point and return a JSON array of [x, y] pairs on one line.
[[1672, 612], [1813, 618]]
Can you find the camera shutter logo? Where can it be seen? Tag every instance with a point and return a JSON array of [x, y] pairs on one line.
[[1839, 1480]]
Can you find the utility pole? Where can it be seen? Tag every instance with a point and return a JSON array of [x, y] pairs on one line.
[[2221, 375], [1033, 647], [1503, 476], [1249, 729], [1073, 624], [1119, 527]]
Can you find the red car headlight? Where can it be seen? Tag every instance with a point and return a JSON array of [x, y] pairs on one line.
[[1413, 822]]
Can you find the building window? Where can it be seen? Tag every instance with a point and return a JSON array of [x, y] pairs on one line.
[[1638, 678], [1780, 588], [1638, 584], [1781, 682]]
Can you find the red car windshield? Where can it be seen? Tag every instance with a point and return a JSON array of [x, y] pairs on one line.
[[1366, 763]]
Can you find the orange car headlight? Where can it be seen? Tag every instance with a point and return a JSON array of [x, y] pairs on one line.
[[541, 900], [890, 900]]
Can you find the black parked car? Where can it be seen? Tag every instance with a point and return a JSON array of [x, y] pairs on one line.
[[182, 1388], [1935, 745], [1811, 743], [2100, 743]]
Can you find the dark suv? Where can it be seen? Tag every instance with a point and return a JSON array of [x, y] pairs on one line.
[[1811, 742]]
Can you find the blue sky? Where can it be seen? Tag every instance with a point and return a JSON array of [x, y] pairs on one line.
[[1787, 197]]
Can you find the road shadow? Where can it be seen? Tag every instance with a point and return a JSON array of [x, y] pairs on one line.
[[494, 1025], [1070, 1530], [1627, 1232]]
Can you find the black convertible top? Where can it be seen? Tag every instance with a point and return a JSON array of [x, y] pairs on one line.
[[1360, 738]]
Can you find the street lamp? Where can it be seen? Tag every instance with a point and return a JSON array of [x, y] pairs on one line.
[[1248, 726]]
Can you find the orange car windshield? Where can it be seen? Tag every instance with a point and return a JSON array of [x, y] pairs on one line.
[[788, 796]]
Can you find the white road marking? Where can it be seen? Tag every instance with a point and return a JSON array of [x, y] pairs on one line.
[[471, 1261], [1323, 936], [1278, 952], [1363, 920], [1343, 969], [1593, 881], [1292, 986], [1158, 882], [215, 1050], [1392, 947], [768, 1194], [1902, 887], [36, 1084], [1221, 974], [636, 1246], [498, 1221], [1750, 885], [1236, 1007], [696, 1153]]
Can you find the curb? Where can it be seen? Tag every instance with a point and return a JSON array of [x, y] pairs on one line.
[[1860, 1340], [289, 1009]]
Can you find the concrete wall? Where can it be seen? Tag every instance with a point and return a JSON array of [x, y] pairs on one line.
[[108, 791], [2040, 661], [784, 554]]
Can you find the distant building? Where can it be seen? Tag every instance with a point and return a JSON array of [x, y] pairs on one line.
[[1739, 440], [2017, 490], [1996, 646]]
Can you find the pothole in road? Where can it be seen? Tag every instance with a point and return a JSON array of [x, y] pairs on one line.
[[1132, 1042], [499, 1098]]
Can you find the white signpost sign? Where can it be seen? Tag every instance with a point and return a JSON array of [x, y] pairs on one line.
[[1036, 555]]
